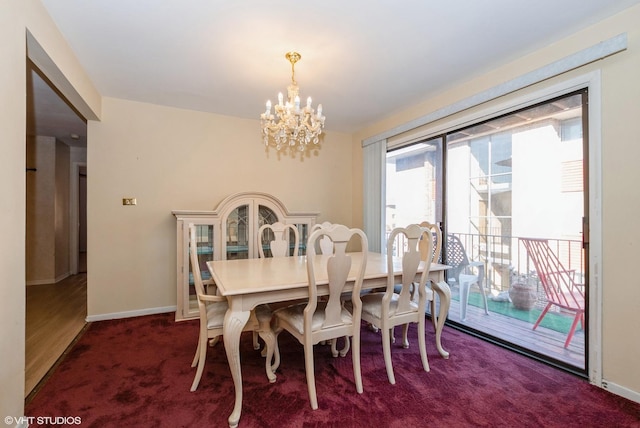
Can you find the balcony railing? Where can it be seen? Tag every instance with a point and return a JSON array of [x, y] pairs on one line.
[[507, 262]]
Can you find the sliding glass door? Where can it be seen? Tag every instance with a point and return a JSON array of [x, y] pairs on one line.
[[510, 195]]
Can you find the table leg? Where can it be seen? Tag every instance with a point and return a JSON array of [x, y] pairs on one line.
[[444, 293], [234, 322]]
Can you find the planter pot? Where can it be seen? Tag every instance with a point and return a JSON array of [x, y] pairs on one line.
[[523, 296]]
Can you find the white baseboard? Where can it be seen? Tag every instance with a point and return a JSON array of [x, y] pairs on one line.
[[50, 280], [130, 314], [621, 391]]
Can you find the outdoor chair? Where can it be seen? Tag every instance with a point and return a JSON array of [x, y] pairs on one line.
[[559, 283], [466, 273]]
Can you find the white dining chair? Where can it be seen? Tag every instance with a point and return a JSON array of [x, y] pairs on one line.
[[326, 319], [212, 309], [388, 309], [277, 239]]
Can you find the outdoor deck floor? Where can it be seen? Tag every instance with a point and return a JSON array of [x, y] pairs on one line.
[[541, 340]]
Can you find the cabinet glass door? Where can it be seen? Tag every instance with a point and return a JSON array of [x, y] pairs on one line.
[[204, 246], [238, 233]]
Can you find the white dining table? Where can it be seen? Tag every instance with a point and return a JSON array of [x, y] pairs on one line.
[[247, 283]]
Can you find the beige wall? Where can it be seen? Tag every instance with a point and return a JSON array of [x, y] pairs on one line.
[[40, 231], [172, 159], [15, 19], [47, 212], [620, 174]]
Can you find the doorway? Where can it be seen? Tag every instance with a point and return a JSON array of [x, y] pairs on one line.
[[56, 302]]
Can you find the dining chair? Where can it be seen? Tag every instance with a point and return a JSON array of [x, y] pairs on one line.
[[326, 319], [388, 309], [212, 309], [434, 250], [276, 239], [325, 245]]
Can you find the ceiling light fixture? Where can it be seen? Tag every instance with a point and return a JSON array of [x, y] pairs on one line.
[[295, 127]]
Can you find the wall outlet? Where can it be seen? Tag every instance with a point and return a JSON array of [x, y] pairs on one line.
[[129, 201]]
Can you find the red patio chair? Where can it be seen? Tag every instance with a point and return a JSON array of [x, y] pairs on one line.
[[558, 283]]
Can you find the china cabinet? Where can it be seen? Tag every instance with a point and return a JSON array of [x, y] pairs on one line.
[[228, 232]]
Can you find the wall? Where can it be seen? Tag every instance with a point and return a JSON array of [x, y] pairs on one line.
[[47, 233], [15, 19], [40, 233], [172, 159], [620, 174]]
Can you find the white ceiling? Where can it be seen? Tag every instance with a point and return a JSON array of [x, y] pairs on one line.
[[361, 59]]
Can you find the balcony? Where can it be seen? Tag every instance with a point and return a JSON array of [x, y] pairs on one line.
[[506, 263]]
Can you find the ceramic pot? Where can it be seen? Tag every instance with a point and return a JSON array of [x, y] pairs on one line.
[[523, 296]]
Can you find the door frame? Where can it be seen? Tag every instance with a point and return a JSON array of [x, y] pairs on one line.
[[74, 216]]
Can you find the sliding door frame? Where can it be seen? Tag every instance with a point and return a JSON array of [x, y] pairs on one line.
[[592, 82]]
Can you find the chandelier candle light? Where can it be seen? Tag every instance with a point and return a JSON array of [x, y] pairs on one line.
[[295, 126]]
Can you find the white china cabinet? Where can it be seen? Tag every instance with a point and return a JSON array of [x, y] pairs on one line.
[[228, 232]]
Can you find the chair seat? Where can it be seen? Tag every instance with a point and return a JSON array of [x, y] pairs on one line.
[[372, 304], [294, 315], [215, 314]]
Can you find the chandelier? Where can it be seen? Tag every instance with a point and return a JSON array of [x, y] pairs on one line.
[[291, 126]]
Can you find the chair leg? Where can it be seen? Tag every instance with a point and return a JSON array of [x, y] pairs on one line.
[[405, 336], [434, 317], [270, 344], [197, 356], [484, 297], [355, 357], [544, 312], [309, 369], [572, 330], [464, 299], [202, 347], [343, 351], [423, 345], [386, 350], [256, 344]]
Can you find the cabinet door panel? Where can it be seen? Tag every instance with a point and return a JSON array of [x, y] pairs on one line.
[[238, 233]]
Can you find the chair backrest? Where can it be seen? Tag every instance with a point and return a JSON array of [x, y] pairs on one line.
[[338, 266], [195, 263], [280, 234], [418, 250], [436, 243], [558, 282], [326, 245], [456, 257]]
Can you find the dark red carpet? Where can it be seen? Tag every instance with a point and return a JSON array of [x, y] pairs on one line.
[[136, 372]]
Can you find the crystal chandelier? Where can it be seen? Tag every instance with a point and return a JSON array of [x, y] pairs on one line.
[[291, 126]]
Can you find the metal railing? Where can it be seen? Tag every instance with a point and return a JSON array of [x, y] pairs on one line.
[[507, 262]]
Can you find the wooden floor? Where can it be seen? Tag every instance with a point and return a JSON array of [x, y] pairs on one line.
[[56, 313], [542, 340]]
